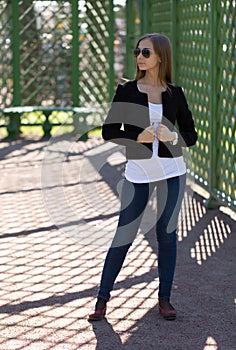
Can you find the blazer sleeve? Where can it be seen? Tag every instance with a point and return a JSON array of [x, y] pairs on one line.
[[188, 134], [115, 128]]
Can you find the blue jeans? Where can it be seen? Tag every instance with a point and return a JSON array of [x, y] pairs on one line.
[[134, 199]]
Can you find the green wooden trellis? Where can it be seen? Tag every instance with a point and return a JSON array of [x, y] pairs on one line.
[[62, 54], [51, 51], [203, 36]]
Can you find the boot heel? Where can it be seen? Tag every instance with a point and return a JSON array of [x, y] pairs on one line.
[[98, 315]]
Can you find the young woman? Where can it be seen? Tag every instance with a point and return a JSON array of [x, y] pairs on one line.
[[143, 117]]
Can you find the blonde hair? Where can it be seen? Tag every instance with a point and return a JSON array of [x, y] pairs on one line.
[[162, 48]]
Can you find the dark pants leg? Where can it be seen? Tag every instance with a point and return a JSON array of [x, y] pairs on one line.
[[134, 198], [170, 194]]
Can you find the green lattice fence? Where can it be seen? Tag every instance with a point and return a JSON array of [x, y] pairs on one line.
[[97, 85], [56, 53], [193, 62], [226, 102], [61, 53], [161, 16], [6, 74], [206, 68], [203, 42]]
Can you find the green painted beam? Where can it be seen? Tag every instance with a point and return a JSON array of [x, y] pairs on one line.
[[111, 29], [145, 6], [15, 44], [212, 202], [130, 38], [75, 53], [174, 16]]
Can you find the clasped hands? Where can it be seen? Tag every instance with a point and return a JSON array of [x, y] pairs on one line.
[[162, 133]]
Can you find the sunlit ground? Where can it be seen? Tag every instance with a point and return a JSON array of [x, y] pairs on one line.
[[49, 277]]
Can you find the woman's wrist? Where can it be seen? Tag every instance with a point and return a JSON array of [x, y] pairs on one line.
[[174, 141]]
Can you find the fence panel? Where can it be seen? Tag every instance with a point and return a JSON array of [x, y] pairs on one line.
[[203, 40], [56, 52], [96, 56], [6, 69], [45, 56], [193, 73], [226, 106], [160, 12]]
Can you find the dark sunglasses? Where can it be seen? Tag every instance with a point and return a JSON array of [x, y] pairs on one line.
[[145, 52]]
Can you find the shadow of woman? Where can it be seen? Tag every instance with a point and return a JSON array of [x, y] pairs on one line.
[[106, 337]]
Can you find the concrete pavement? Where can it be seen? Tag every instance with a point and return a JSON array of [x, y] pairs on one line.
[[59, 205]]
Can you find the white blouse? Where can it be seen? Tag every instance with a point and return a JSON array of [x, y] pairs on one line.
[[155, 168]]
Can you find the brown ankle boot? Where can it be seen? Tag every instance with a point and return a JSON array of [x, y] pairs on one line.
[[166, 309], [100, 310]]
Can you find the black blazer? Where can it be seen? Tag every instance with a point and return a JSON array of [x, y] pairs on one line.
[[129, 116]]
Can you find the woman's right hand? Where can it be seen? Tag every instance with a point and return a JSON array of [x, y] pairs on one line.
[[147, 135]]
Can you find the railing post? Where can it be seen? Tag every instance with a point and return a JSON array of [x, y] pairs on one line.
[[130, 38], [111, 29], [75, 53], [75, 62], [144, 13], [15, 45], [212, 201], [174, 16]]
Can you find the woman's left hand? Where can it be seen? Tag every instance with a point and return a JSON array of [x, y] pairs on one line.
[[164, 134]]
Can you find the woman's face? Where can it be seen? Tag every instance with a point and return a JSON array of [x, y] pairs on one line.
[[151, 62]]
